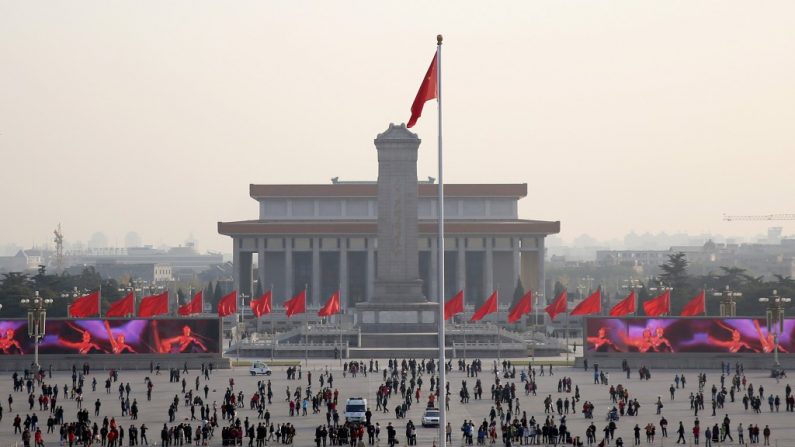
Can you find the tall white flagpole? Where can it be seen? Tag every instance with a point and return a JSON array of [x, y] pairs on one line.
[[440, 249]]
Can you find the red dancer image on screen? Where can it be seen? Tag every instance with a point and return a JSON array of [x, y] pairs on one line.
[[84, 346], [767, 341], [659, 342], [644, 343], [735, 344], [7, 342], [117, 343], [601, 343], [184, 341]]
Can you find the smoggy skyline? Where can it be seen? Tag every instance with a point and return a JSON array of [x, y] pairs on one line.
[[621, 116]]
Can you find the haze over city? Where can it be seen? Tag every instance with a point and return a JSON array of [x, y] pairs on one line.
[[154, 117]]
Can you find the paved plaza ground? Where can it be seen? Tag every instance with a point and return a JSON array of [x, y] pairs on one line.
[[154, 413]]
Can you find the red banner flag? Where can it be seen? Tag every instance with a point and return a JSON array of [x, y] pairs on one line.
[[262, 305], [426, 92], [560, 305], [523, 307], [696, 306], [331, 307], [489, 307], [122, 307], [454, 305], [85, 306], [296, 304], [625, 306], [154, 305], [228, 304], [658, 305], [590, 305], [195, 306]]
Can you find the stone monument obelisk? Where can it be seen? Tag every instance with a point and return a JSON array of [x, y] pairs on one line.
[[397, 296]]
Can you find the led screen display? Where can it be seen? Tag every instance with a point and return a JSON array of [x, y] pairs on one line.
[[697, 335], [119, 337]]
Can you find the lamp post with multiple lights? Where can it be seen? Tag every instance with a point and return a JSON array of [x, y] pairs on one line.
[[37, 317], [775, 325], [728, 307]]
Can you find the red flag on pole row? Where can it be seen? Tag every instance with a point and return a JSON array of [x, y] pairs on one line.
[[228, 304], [559, 306], [523, 307], [85, 306], [195, 306], [122, 307], [426, 92], [489, 307], [658, 305], [454, 306], [696, 306], [296, 304], [153, 305], [625, 306], [331, 307], [590, 305], [262, 305]]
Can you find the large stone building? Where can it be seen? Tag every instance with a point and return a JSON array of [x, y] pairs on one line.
[[324, 238]]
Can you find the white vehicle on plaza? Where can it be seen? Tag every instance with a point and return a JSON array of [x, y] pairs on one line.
[[355, 409], [259, 368]]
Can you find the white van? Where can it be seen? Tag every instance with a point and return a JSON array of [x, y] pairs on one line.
[[259, 368], [355, 408]]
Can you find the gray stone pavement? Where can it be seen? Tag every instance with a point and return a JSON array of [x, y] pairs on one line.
[[154, 413]]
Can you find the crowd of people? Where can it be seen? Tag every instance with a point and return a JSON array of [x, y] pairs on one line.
[[236, 415]]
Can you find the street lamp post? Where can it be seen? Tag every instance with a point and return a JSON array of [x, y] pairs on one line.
[[240, 325], [728, 307], [775, 325], [37, 317]]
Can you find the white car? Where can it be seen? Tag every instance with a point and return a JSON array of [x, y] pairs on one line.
[[431, 417], [259, 368], [355, 409]]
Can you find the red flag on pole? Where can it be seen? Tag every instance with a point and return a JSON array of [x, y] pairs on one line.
[[590, 305], [228, 304], [195, 306], [153, 305], [558, 306], [122, 307], [625, 306], [262, 305], [696, 306], [426, 92], [454, 306], [489, 307], [523, 307], [296, 304], [658, 305], [331, 307], [85, 306]]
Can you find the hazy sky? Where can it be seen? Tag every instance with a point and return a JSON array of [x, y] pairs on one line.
[[155, 116]]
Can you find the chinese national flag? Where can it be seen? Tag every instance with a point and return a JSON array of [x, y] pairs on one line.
[[426, 93], [625, 306], [296, 304], [590, 305], [262, 305], [194, 307], [696, 306], [658, 305], [523, 307], [228, 304], [558, 306], [122, 307], [331, 307], [153, 305], [489, 307], [85, 306], [454, 306]]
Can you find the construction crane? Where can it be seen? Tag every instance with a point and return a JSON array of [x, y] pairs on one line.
[[760, 217]]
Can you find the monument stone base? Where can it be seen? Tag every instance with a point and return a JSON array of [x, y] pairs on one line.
[[397, 316]]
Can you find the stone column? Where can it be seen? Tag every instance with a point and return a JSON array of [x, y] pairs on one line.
[[489, 266], [541, 257], [236, 262], [261, 265], [288, 268], [315, 295], [344, 298], [246, 270], [433, 272], [368, 287], [517, 262], [461, 265]]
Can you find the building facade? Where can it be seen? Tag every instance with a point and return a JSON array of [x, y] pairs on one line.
[[324, 238]]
